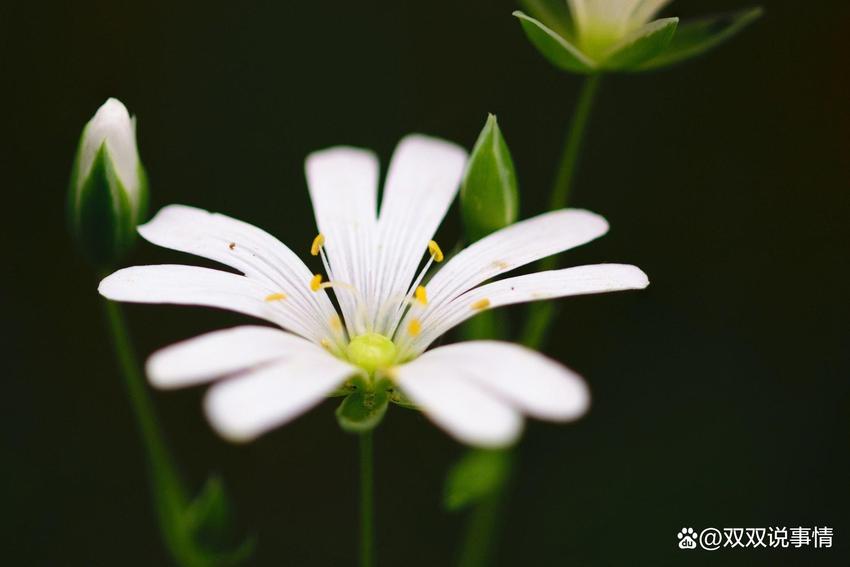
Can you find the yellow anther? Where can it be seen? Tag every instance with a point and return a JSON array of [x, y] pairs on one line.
[[481, 304], [275, 297], [325, 343], [316, 282], [421, 295], [318, 242], [414, 327], [435, 251], [336, 323]]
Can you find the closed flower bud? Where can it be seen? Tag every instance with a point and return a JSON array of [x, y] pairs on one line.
[[108, 188]]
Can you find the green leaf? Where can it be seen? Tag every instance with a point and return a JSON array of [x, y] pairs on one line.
[[479, 473], [697, 37], [557, 49], [488, 195], [362, 410], [641, 45]]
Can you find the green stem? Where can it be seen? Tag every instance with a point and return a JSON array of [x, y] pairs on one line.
[[541, 314], [367, 515], [168, 492]]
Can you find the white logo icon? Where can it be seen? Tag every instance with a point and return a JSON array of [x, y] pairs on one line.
[[687, 538]]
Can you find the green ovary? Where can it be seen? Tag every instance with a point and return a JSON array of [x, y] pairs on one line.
[[371, 352]]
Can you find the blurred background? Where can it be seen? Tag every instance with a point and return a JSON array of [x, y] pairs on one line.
[[721, 394]]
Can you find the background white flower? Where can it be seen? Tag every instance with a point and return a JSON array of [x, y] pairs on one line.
[[476, 391]]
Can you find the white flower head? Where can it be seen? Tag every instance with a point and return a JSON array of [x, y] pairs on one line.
[[387, 311]]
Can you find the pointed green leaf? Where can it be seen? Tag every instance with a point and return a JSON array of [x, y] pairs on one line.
[[488, 194], [362, 410], [695, 38], [641, 45], [557, 49], [475, 476]]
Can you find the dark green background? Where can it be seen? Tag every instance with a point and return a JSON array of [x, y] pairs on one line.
[[721, 393]]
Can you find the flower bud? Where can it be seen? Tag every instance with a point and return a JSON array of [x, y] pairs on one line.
[[108, 189], [489, 199]]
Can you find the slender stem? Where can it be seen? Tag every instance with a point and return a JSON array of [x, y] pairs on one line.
[[168, 492], [367, 515], [541, 314]]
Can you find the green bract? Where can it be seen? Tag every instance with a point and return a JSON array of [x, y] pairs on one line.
[[108, 188], [488, 194], [620, 35]]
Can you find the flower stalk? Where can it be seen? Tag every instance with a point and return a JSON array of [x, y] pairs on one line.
[[541, 315], [367, 511], [169, 494]]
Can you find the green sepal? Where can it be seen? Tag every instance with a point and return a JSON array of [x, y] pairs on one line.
[[362, 410], [554, 14], [478, 474], [489, 198], [209, 520], [554, 47], [102, 219], [697, 37], [640, 46]]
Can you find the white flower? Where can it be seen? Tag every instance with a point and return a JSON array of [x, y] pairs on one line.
[[476, 391]]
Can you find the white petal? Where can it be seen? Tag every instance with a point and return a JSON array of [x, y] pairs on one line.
[[343, 186], [463, 409], [580, 280], [645, 10], [244, 407], [513, 247], [422, 181], [249, 249], [529, 381], [220, 353], [191, 285]]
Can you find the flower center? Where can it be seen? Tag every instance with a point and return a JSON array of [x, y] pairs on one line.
[[371, 351]]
